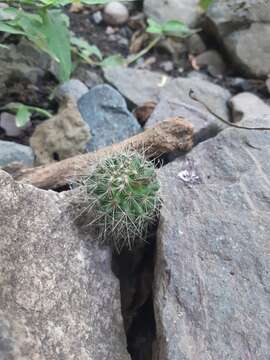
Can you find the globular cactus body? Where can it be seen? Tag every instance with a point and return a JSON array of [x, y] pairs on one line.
[[122, 197]]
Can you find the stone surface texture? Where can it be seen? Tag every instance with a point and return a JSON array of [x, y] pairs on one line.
[[245, 104], [11, 151], [58, 298], [63, 136], [213, 62], [105, 111], [187, 11], [244, 28], [175, 101], [211, 290], [8, 124], [129, 84], [73, 88]]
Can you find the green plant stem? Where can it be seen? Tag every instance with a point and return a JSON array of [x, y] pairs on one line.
[[141, 53], [87, 60], [13, 107]]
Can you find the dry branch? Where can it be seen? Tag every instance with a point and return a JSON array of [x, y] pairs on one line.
[[170, 135]]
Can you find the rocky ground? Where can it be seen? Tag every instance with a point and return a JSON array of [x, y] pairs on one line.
[[200, 289]]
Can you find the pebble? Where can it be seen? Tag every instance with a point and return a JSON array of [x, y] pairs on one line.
[[97, 17], [11, 151], [73, 88], [213, 62], [8, 124], [116, 13], [167, 66]]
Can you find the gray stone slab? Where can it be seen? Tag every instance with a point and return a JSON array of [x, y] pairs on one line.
[[58, 296], [244, 29], [137, 86], [212, 288], [175, 101]]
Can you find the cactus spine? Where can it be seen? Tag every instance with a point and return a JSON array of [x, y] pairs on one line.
[[122, 196]]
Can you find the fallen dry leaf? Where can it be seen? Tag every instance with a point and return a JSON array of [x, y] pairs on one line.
[[193, 62], [143, 112]]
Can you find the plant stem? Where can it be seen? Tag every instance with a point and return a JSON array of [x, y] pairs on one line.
[[141, 53]]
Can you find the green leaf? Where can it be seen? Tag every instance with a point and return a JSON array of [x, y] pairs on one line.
[[154, 27], [94, 2], [4, 27], [58, 41], [85, 49], [204, 4], [176, 28], [23, 116], [113, 61]]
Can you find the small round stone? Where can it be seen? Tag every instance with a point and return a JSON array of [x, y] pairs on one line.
[[116, 13]]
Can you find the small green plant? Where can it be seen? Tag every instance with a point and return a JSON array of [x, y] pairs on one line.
[[205, 4], [122, 197], [24, 112], [171, 28], [44, 23]]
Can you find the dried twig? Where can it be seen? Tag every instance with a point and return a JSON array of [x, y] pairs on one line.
[[170, 135]]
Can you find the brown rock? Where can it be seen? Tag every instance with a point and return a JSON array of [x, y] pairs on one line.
[[63, 136]]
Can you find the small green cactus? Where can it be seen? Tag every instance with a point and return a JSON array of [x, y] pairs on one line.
[[122, 198]]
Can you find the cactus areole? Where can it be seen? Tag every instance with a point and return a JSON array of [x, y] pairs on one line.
[[122, 196]]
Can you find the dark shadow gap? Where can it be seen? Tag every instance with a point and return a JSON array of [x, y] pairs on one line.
[[135, 271]]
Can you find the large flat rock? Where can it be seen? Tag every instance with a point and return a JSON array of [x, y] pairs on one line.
[[58, 296], [212, 288], [174, 100], [136, 85], [244, 29]]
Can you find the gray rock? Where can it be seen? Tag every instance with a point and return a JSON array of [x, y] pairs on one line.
[[88, 77], [250, 49], [72, 88], [167, 66], [116, 13], [211, 290], [244, 29], [267, 83], [195, 44], [196, 74], [129, 84], [59, 298], [10, 152], [175, 101], [213, 62], [62, 136], [8, 124], [97, 17], [187, 11], [245, 104], [106, 113]]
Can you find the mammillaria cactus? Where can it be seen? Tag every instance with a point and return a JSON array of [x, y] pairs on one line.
[[122, 198]]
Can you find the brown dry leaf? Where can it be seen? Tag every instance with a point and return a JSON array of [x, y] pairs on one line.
[[143, 112], [76, 8], [193, 62], [137, 41]]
